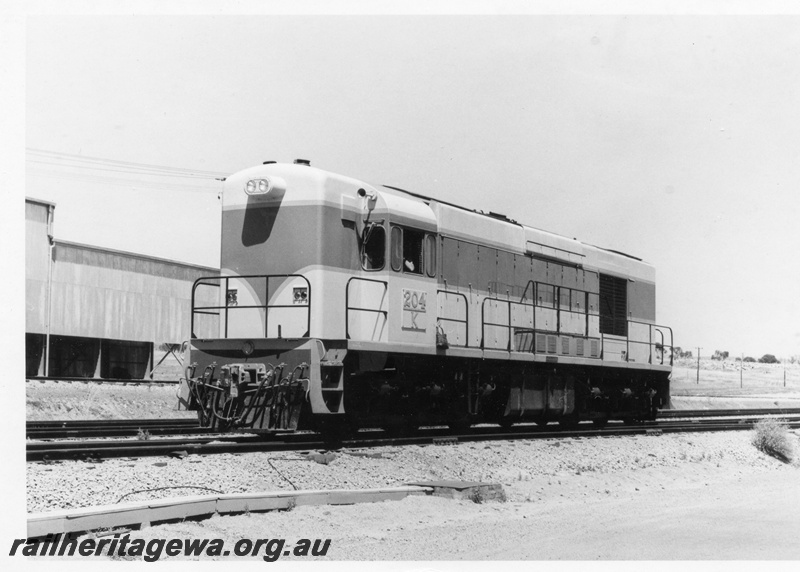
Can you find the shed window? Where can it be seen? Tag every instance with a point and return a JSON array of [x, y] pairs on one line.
[[373, 247]]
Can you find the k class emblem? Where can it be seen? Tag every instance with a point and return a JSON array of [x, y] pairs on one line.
[[415, 312]]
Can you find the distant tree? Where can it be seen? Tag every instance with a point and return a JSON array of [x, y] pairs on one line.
[[725, 355], [748, 359], [768, 358], [686, 354], [719, 355]]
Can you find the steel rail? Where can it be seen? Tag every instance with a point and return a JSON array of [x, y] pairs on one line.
[[110, 428], [677, 413], [76, 423], [88, 380], [76, 429], [94, 450]]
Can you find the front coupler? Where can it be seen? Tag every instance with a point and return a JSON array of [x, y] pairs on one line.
[[246, 396]]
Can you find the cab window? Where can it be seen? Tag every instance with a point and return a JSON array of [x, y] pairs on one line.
[[373, 247], [412, 251]]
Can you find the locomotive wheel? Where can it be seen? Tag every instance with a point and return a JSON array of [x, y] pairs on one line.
[[459, 425], [404, 428], [570, 422], [334, 431]]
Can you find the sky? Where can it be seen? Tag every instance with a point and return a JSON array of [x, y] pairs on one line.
[[665, 130], [674, 138]]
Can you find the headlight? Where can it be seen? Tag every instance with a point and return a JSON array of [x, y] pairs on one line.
[[248, 347], [258, 187], [301, 295]]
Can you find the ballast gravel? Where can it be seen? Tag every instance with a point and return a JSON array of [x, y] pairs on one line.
[[530, 471]]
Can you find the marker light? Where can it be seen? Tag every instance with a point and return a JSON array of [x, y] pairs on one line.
[[247, 348]]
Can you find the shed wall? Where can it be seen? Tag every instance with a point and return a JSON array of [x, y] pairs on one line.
[[101, 293]]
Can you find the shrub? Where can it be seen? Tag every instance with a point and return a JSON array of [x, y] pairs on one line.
[[477, 496], [771, 437]]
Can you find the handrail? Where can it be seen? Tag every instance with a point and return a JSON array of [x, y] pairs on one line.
[[347, 307], [466, 312], [208, 281], [649, 342], [628, 341]]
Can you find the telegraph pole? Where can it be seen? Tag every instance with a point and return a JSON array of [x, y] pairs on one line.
[[741, 369], [698, 365]]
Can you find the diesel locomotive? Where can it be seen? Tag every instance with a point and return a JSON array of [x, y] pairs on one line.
[[341, 304]]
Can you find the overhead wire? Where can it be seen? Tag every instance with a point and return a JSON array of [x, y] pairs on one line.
[[129, 182], [128, 164], [70, 167]]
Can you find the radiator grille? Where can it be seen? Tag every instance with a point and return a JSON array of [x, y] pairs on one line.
[[613, 305]]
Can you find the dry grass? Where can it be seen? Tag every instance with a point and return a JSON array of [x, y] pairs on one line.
[[723, 378], [771, 436]]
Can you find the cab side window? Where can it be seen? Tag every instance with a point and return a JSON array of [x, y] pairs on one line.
[[397, 248], [430, 255], [412, 251], [407, 251]]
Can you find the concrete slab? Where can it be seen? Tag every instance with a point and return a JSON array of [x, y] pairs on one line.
[[468, 490], [137, 513]]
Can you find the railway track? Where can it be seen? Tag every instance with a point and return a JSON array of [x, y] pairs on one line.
[[111, 428], [205, 445]]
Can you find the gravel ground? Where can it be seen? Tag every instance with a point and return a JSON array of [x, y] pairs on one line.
[[669, 497], [46, 400], [689, 496], [529, 470], [711, 516]]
